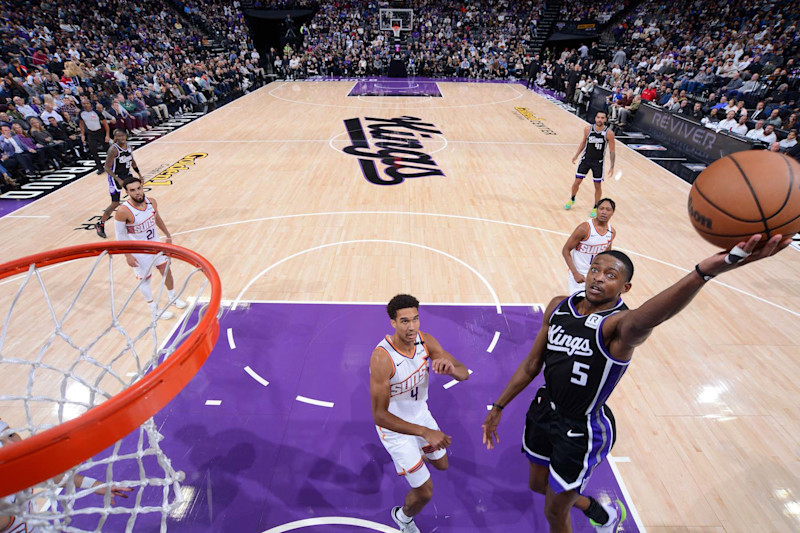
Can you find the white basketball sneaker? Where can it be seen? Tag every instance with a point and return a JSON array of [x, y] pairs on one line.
[[405, 527], [180, 304]]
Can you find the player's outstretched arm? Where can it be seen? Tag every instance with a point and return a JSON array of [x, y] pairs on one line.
[[443, 361], [625, 331], [528, 369], [381, 370]]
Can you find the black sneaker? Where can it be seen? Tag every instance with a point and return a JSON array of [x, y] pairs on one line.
[[100, 229], [100, 170]]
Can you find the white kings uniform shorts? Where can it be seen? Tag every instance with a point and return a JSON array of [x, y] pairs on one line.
[[144, 269], [406, 450]]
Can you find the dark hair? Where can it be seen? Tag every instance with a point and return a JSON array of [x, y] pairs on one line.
[[128, 181], [401, 301], [624, 259], [603, 112], [118, 130], [610, 201]]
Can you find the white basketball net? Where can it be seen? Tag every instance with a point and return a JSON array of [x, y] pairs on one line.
[[64, 365]]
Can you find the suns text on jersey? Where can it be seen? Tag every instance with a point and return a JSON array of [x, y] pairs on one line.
[[411, 381]]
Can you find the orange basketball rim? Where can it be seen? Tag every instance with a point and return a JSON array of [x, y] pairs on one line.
[[51, 452]]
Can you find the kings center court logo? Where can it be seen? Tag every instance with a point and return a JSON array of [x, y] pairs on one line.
[[391, 150]]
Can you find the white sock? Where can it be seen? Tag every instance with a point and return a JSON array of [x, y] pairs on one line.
[[153, 307], [171, 294], [402, 516], [144, 287]]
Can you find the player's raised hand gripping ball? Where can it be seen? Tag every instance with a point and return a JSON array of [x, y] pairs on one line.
[[744, 194]]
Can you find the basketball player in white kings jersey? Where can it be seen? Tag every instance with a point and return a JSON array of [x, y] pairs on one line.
[[12, 524], [589, 239], [399, 391], [136, 220]]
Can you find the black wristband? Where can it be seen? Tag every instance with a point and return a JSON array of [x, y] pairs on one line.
[[703, 275], [500, 407]]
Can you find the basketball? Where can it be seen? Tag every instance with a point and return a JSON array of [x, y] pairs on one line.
[[746, 193]]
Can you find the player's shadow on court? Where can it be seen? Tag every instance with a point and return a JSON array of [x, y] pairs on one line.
[[219, 461]]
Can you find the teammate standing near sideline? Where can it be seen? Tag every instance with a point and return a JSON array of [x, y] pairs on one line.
[[589, 239], [585, 345], [118, 166], [592, 151], [399, 392]]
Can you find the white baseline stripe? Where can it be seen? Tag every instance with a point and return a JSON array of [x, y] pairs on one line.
[[429, 141], [313, 401], [27, 216], [454, 382], [612, 461], [256, 376], [490, 349], [228, 303], [382, 241], [230, 339]]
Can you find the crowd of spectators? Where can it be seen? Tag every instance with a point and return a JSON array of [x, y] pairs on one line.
[[592, 10], [482, 39], [140, 62], [137, 63], [726, 68]]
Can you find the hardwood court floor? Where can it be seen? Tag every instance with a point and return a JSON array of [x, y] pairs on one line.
[[707, 411]]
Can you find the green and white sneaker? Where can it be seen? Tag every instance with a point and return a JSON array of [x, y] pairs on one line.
[[617, 514], [568, 205]]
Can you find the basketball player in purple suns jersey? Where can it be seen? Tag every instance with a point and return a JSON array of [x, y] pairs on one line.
[[591, 237], [585, 345], [399, 391]]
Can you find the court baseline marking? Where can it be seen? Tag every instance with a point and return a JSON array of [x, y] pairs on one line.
[[283, 84], [465, 217], [305, 141], [359, 241], [612, 462]]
